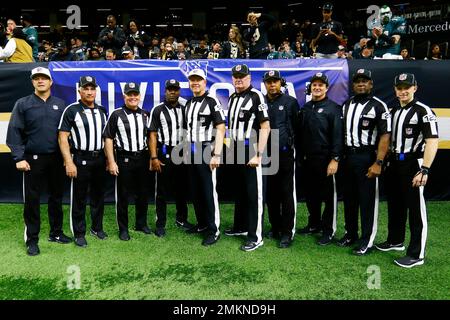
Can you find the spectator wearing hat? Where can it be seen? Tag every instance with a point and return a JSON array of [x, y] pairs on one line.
[[48, 51], [83, 122], [367, 129], [342, 53], [31, 32], [63, 53], [321, 147], [413, 147], [249, 129], [127, 53], [127, 154], [281, 194], [327, 35], [165, 136], [33, 139], [138, 40], [112, 37], [17, 49]]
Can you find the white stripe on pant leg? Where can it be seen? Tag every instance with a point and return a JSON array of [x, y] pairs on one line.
[[260, 204], [216, 202], [156, 194], [23, 194], [71, 206], [294, 194], [116, 199], [423, 216], [375, 215], [334, 206]]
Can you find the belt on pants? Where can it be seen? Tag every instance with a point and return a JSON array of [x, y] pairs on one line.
[[406, 156], [356, 150], [132, 153], [93, 154]]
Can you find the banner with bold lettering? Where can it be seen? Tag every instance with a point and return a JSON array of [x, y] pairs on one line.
[[111, 77]]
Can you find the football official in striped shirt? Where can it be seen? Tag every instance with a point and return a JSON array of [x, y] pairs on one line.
[[367, 127], [126, 130], [204, 121], [414, 144], [165, 135], [81, 144], [249, 128]]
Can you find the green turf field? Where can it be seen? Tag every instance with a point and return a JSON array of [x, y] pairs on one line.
[[179, 267]]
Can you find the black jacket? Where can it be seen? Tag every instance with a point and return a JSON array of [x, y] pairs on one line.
[[33, 127], [321, 129], [258, 36], [146, 42], [283, 112]]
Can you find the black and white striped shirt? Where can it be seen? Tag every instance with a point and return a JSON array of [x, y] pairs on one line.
[[365, 119], [128, 128], [246, 111], [411, 125], [167, 121], [202, 114], [85, 126]]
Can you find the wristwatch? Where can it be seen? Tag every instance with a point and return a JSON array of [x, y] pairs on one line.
[[336, 158], [379, 162]]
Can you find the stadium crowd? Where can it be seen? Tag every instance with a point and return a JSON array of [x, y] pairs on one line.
[[262, 37]]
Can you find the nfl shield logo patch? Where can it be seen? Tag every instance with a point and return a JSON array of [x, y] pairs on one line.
[[409, 130], [365, 123], [402, 77], [238, 67]]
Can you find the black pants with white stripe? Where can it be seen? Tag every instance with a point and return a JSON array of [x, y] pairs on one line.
[[91, 175], [249, 196], [170, 183], [281, 197], [45, 168], [403, 198], [132, 181], [360, 195], [203, 185], [318, 189]]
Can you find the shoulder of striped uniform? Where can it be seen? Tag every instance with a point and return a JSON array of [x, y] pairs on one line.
[[213, 99], [427, 109]]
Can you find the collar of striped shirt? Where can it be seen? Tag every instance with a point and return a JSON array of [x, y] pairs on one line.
[[169, 106], [200, 98], [86, 107], [409, 105], [243, 93], [128, 110]]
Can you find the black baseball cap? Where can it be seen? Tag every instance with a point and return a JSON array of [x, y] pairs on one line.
[[172, 83], [126, 49], [362, 73], [320, 76], [240, 69], [408, 79], [87, 80], [272, 74], [26, 17], [131, 87], [327, 6]]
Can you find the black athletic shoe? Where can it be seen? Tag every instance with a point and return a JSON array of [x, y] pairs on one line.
[[196, 229], [62, 238], [185, 225], [81, 242], [361, 250], [346, 241], [99, 234], [124, 236], [250, 245], [285, 242], [386, 246], [160, 232], [308, 230], [408, 262], [273, 235], [210, 239], [325, 240], [144, 229], [33, 249], [233, 232]]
